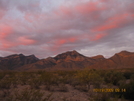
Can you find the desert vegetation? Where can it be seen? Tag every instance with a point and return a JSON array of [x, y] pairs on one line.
[[76, 85]]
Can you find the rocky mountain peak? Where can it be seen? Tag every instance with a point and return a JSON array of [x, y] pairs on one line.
[[100, 57], [33, 57], [125, 53], [16, 60], [14, 56], [70, 55]]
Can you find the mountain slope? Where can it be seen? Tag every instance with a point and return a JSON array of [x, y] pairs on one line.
[[68, 60], [122, 59], [15, 61]]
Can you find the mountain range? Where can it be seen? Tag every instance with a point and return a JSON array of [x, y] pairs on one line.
[[69, 60]]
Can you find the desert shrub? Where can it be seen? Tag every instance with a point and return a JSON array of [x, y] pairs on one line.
[[129, 94], [35, 83], [23, 80], [65, 76], [67, 79], [105, 96], [89, 77], [39, 72], [63, 88], [132, 77], [113, 77], [48, 79], [121, 82], [127, 75], [100, 97], [5, 84], [82, 88], [23, 77], [29, 95], [4, 93], [2, 75]]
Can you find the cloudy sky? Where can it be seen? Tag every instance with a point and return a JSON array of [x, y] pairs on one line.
[[49, 27]]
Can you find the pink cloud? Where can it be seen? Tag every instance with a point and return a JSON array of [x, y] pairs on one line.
[[6, 45], [64, 11], [5, 31], [67, 40], [98, 37], [25, 41], [73, 39], [80, 8], [132, 15], [1, 14], [28, 17], [60, 42], [31, 17], [89, 7], [114, 22], [105, 27]]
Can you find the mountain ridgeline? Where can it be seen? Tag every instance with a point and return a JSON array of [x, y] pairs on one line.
[[69, 60]]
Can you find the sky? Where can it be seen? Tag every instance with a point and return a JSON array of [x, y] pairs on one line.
[[49, 27]]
